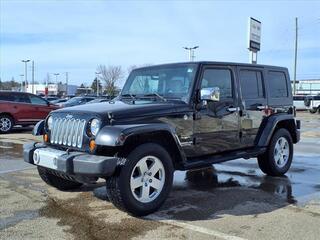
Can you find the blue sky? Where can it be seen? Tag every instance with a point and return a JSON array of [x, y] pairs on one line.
[[76, 36]]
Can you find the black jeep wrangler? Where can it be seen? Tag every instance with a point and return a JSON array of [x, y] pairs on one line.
[[166, 118]]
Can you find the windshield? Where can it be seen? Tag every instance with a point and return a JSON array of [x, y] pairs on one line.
[[168, 82]]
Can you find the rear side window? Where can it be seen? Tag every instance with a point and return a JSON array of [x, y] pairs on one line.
[[251, 84], [6, 97], [277, 84]]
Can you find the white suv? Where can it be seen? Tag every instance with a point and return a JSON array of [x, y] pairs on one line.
[[312, 103]]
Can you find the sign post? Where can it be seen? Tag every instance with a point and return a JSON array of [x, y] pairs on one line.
[[254, 39]]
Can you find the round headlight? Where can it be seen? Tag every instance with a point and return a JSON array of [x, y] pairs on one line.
[[49, 122], [94, 126]]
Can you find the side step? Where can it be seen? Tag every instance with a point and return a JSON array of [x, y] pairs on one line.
[[221, 157]]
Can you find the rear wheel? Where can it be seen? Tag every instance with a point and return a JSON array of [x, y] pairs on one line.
[[57, 182], [6, 123], [314, 110], [143, 183], [276, 161]]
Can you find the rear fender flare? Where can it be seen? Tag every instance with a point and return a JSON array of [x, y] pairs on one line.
[[269, 126]]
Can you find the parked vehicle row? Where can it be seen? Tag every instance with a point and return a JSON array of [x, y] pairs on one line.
[[19, 108]]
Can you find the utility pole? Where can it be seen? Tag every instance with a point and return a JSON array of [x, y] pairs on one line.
[[191, 52], [67, 79], [295, 59], [33, 77], [56, 74], [25, 73], [97, 83]]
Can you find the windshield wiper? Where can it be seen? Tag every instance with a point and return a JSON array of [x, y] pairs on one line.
[[132, 96], [155, 95]]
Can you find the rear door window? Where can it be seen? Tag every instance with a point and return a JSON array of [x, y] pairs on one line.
[[277, 84], [21, 98], [37, 100], [251, 84]]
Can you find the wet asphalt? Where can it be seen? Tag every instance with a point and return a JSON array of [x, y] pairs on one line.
[[232, 200]]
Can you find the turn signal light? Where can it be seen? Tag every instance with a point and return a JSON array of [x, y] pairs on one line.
[[92, 145], [46, 138]]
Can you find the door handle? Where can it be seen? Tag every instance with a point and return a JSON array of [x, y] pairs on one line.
[[233, 109]]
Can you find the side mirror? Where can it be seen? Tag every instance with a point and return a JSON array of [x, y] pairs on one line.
[[210, 94]]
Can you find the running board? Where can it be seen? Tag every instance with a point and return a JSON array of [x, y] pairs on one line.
[[208, 160]]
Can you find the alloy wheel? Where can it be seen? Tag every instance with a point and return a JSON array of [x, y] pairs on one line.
[[281, 152], [147, 179]]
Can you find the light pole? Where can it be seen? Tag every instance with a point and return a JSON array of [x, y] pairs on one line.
[[21, 75], [191, 52], [25, 73], [97, 82]]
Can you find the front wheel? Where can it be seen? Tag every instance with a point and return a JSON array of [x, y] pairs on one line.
[[143, 183], [276, 161]]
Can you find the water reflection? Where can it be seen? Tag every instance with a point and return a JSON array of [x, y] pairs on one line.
[[207, 179]]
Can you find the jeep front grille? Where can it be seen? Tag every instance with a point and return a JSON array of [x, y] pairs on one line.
[[67, 132]]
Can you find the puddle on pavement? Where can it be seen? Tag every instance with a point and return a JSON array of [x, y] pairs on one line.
[[302, 179], [79, 216], [18, 217], [11, 151]]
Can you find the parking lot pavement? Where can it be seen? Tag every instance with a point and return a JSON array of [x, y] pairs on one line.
[[233, 200]]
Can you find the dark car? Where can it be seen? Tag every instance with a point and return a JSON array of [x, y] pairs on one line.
[[51, 98], [59, 101], [77, 101], [18, 108], [170, 117], [99, 100]]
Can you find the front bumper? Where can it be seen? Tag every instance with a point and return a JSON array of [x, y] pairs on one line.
[[73, 163]]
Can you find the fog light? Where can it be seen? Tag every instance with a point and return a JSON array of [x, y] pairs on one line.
[[36, 157], [46, 138], [92, 145]]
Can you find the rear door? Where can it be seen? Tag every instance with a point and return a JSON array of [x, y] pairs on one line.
[[254, 102], [40, 108]]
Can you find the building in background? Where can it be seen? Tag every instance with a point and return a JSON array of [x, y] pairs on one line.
[[308, 87], [53, 89]]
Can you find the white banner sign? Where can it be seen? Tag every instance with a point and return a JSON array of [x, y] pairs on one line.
[[254, 34]]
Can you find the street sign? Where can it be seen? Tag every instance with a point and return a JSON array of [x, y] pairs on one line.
[[254, 35]]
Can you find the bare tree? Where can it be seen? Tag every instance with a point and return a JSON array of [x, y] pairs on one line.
[[111, 75]]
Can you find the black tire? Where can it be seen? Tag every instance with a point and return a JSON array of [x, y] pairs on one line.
[[313, 111], [9, 120], [57, 182], [118, 186], [267, 162]]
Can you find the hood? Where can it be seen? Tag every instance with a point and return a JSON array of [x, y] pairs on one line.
[[120, 109]]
